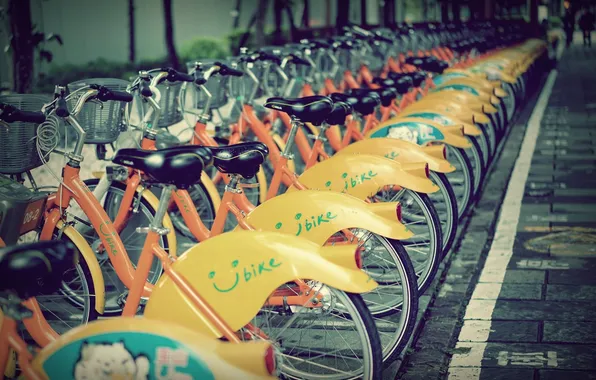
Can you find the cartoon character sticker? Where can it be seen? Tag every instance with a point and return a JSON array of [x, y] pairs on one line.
[[417, 133], [126, 355]]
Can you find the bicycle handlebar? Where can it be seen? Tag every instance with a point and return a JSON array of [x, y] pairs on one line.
[[11, 114]]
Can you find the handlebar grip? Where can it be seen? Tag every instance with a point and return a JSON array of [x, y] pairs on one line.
[[12, 114], [120, 96], [383, 39], [227, 70], [177, 76], [144, 88], [299, 60], [62, 108], [31, 117], [269, 57]]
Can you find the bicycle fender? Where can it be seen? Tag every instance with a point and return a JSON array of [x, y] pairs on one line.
[[401, 151], [364, 175], [205, 357], [469, 129], [478, 84], [92, 263], [318, 215], [470, 113], [211, 190], [248, 267], [474, 102], [420, 131]]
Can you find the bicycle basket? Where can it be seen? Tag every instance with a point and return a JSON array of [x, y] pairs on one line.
[[101, 121], [217, 86], [170, 110], [18, 148]]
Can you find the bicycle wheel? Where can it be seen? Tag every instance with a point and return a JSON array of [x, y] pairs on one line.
[[204, 206], [491, 135], [337, 340], [420, 216], [462, 179], [116, 291], [394, 304], [484, 145], [74, 303], [445, 203], [474, 155]]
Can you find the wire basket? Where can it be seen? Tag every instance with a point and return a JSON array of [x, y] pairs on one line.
[[217, 86], [18, 148], [170, 110], [101, 121]]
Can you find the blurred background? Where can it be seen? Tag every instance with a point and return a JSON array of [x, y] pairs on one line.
[[47, 42]]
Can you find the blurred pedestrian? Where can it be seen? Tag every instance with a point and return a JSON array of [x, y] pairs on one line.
[[568, 24], [586, 24]]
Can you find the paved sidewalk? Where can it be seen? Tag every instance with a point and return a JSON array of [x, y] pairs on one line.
[[532, 314]]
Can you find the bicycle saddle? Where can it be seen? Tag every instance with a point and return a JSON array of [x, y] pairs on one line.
[[180, 166], [310, 109], [430, 64], [387, 94], [417, 77], [402, 85], [338, 114], [36, 268], [363, 103], [243, 159]]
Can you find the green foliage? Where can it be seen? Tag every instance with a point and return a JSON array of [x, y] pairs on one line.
[[206, 48]]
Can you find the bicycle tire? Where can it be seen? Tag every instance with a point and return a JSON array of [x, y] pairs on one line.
[[450, 215], [467, 179], [369, 341], [474, 154], [394, 340], [83, 270]]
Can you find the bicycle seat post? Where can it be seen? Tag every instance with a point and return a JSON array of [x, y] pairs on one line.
[[296, 123], [157, 221]]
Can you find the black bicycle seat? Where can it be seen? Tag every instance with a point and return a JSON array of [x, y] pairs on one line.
[[338, 114], [180, 166], [36, 268], [417, 77], [386, 93], [310, 109], [430, 64], [243, 159], [401, 85], [363, 103]]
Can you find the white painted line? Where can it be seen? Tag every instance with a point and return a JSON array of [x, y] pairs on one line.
[[475, 331], [502, 246]]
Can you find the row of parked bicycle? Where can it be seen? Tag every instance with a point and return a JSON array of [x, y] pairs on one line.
[[323, 181]]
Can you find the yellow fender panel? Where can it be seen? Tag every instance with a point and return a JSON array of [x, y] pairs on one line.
[[474, 102], [211, 190], [364, 175], [469, 129], [248, 267], [318, 215], [420, 131], [478, 84], [224, 360], [469, 113], [262, 182], [92, 263], [400, 151]]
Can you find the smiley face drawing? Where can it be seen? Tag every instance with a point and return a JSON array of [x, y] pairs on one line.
[[228, 289]]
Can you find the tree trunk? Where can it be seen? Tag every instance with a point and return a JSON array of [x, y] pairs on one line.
[[169, 26], [455, 9], [363, 17], [389, 13], [278, 8], [343, 14], [290, 15], [131, 31], [260, 22], [236, 16], [305, 23], [22, 49], [444, 11]]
